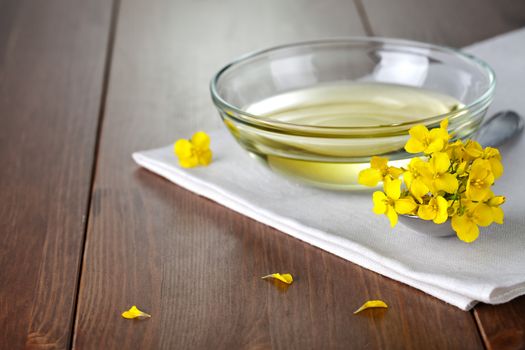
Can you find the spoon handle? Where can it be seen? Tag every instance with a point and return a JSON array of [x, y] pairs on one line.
[[500, 128]]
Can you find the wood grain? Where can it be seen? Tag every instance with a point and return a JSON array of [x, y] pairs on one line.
[[446, 22], [502, 326], [194, 265], [196, 268], [51, 70]]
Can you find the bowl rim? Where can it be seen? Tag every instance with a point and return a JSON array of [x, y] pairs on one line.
[[245, 117]]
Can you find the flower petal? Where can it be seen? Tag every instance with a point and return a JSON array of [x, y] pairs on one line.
[[496, 201], [446, 182], [466, 230], [394, 172], [419, 189], [444, 124], [497, 215], [481, 170], [405, 205], [379, 202], [427, 211], [408, 177], [439, 133], [379, 163], [285, 277], [482, 215], [393, 188], [442, 213], [391, 215], [188, 162], [369, 177], [371, 304], [419, 132], [440, 162], [200, 140], [205, 157], [473, 149], [496, 167], [134, 312], [183, 148], [435, 146], [414, 146]]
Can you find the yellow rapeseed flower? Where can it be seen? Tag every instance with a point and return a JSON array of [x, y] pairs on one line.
[[378, 171], [456, 150], [480, 180], [466, 225], [473, 150], [493, 203], [437, 175], [453, 180], [428, 142], [405, 205], [389, 202], [414, 179], [194, 152], [436, 210], [492, 155], [494, 158]]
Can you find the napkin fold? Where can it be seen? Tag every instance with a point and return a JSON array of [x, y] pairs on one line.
[[491, 270]]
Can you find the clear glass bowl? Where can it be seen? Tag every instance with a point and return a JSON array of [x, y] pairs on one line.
[[331, 153]]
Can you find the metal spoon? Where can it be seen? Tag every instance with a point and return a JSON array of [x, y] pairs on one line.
[[500, 128]]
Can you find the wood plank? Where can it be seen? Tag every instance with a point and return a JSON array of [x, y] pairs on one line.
[[502, 326], [51, 71], [446, 22], [192, 264], [196, 266]]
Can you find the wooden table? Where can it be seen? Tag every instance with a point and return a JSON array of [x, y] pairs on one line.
[[86, 233]]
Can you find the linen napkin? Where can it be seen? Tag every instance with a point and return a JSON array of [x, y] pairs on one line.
[[491, 270]]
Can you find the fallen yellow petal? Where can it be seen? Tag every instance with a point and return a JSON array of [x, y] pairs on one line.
[[285, 277], [371, 304], [134, 312]]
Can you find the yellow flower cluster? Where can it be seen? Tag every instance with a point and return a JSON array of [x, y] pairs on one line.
[[454, 181], [194, 152]]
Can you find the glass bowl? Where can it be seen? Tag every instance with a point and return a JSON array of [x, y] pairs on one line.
[[318, 111]]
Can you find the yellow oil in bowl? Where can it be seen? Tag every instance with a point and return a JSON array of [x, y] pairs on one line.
[[329, 160]]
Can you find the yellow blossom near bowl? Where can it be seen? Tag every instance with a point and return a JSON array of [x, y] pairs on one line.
[[195, 151], [452, 182]]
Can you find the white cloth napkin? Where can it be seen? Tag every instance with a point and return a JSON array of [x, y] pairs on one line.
[[491, 270]]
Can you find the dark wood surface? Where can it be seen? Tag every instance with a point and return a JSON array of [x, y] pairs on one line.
[[192, 264], [52, 59], [502, 326]]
